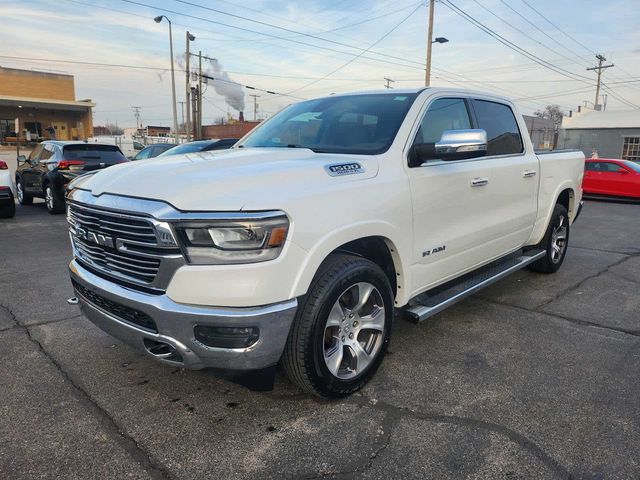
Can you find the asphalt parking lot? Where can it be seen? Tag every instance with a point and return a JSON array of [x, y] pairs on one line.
[[536, 377]]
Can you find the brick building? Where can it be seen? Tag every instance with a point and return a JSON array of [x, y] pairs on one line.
[[229, 130], [45, 105]]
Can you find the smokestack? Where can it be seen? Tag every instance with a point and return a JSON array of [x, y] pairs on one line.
[[242, 116]]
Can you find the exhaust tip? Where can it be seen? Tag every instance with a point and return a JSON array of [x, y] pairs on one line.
[[162, 350], [72, 301]]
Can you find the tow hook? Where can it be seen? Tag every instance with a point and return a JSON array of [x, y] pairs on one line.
[[72, 301]]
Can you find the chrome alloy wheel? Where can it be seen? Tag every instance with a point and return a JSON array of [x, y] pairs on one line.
[[19, 192], [559, 239], [48, 198], [354, 332]]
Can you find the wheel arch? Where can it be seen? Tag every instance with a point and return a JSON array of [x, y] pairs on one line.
[[565, 195], [369, 243]]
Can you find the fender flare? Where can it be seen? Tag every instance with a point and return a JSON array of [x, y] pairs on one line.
[[330, 242], [543, 222]]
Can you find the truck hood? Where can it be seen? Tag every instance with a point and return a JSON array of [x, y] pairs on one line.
[[233, 180]]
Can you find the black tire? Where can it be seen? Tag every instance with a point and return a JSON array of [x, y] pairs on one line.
[[8, 209], [552, 261], [54, 200], [303, 358], [23, 197]]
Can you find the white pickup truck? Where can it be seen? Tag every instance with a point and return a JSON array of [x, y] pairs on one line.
[[298, 245]]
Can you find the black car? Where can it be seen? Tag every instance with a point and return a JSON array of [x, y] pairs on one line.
[[152, 151], [53, 164], [201, 146]]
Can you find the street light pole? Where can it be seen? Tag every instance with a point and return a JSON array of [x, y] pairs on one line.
[[173, 77], [427, 76]]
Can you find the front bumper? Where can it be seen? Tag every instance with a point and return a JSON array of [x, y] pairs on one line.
[[175, 324]]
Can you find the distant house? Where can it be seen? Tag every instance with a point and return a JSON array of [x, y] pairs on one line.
[[611, 134]]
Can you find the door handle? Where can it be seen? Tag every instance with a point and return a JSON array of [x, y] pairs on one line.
[[479, 182], [529, 173]]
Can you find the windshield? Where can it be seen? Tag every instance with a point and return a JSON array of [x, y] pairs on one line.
[[360, 124], [632, 165], [185, 148]]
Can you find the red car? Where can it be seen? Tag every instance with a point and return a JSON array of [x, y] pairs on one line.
[[611, 178]]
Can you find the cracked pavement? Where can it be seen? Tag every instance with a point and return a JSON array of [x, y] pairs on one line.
[[534, 377]]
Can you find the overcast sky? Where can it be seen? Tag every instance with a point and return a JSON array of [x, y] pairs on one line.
[[366, 40]]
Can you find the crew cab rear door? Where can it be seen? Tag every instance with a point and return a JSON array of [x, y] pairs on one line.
[[469, 212], [514, 175]]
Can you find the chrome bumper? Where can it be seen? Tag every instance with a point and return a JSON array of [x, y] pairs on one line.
[[175, 325]]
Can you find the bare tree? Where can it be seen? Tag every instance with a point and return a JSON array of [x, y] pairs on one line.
[[114, 129], [552, 112]]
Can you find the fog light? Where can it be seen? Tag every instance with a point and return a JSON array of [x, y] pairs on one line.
[[226, 337]]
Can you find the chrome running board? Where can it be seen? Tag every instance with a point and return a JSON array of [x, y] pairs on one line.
[[433, 301]]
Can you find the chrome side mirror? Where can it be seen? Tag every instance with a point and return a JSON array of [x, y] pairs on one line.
[[453, 145]]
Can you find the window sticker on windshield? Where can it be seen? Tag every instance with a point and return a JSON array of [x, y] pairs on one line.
[[401, 99], [275, 140]]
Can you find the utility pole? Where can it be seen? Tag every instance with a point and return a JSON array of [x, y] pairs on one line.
[[188, 86], [427, 76], [182, 112], [136, 113], [388, 81], [255, 106], [599, 69], [199, 125], [194, 105]]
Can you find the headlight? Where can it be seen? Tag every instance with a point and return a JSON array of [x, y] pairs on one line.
[[232, 241]]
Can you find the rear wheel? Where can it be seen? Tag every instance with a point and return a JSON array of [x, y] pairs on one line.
[[23, 197], [554, 243], [54, 200], [8, 209], [342, 328]]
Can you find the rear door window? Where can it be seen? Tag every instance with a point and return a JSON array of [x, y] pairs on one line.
[[498, 120]]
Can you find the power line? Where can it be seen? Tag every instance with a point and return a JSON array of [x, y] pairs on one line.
[[538, 28], [358, 55], [512, 45], [287, 39], [315, 37], [510, 24], [558, 28]]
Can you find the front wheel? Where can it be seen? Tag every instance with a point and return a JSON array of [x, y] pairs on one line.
[[555, 242], [54, 200], [342, 328], [23, 197]]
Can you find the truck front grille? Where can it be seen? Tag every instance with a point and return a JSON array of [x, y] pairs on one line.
[[112, 224], [121, 246], [141, 268]]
